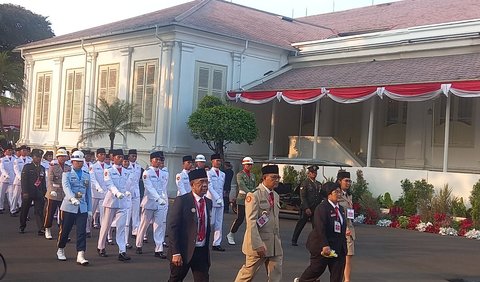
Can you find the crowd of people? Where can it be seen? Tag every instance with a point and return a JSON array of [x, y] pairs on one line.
[[111, 191]]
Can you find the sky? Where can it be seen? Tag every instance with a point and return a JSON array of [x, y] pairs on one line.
[[70, 16]]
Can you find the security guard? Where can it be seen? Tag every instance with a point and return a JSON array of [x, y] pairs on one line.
[[154, 204], [34, 187], [183, 184], [310, 196], [54, 193], [76, 207]]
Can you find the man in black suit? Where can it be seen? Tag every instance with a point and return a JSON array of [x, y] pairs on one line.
[[327, 238], [189, 231]]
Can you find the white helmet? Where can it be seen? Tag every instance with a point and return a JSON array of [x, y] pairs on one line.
[[247, 160], [61, 152], [200, 158], [78, 156]]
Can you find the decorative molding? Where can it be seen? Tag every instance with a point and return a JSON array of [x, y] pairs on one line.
[[126, 51], [58, 60], [188, 48]]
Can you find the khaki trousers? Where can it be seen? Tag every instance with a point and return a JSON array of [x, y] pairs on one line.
[[273, 266]]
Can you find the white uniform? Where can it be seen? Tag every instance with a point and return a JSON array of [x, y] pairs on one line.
[[215, 193], [15, 195], [6, 178], [134, 212], [183, 183], [117, 181], [46, 165], [98, 191], [154, 206]]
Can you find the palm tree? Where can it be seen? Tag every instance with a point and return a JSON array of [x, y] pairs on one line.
[[11, 83], [117, 117]]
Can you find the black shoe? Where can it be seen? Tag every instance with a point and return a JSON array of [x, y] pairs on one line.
[[145, 240], [139, 250], [165, 245], [102, 253], [134, 236], [110, 242], [89, 235], [41, 233], [96, 226], [22, 230], [129, 246], [294, 243], [160, 255], [13, 214], [1, 211], [218, 248], [123, 257]]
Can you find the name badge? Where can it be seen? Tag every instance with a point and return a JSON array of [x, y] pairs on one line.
[[261, 221], [337, 227], [350, 213]]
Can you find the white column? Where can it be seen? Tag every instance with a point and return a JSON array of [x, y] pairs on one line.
[[90, 97], [447, 135], [272, 130], [59, 63], [370, 133], [315, 132], [127, 52]]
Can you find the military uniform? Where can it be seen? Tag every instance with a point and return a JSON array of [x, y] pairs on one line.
[[6, 178], [54, 193], [245, 184], [34, 187], [311, 197], [99, 189], [15, 198], [256, 205], [216, 179], [183, 184]]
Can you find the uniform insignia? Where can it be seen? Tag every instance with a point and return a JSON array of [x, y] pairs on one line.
[[193, 210], [144, 176], [106, 173], [248, 199], [178, 177], [91, 168]]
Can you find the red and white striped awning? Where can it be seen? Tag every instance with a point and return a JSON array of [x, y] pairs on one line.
[[404, 92]]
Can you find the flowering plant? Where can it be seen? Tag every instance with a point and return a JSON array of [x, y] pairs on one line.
[[448, 231], [413, 221], [422, 226], [384, 222], [359, 219], [473, 234]]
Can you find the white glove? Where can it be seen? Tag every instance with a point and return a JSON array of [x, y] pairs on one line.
[[219, 202], [99, 190], [53, 193], [75, 201], [161, 201], [90, 214], [119, 195], [128, 194]]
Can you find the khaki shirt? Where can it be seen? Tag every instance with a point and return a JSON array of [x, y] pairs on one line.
[[347, 203], [54, 181]]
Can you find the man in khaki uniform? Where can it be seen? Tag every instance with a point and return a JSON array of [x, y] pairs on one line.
[[262, 244]]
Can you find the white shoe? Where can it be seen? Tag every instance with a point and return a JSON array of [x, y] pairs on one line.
[[48, 234], [231, 238], [61, 254], [296, 280], [81, 258]]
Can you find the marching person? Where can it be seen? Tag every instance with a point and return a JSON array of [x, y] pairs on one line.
[[200, 162], [47, 161], [154, 204], [216, 179], [54, 193], [16, 192], [327, 238], [310, 197], [76, 207], [262, 244], [135, 210], [181, 178], [245, 184], [345, 200], [7, 175], [34, 187], [98, 187], [227, 186], [189, 231], [115, 204]]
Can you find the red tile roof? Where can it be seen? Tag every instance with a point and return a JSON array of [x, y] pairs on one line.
[[396, 15], [378, 73]]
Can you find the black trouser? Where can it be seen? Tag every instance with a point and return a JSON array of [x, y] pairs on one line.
[[50, 209], [300, 224], [38, 202], [68, 220], [199, 265], [240, 218], [317, 266]]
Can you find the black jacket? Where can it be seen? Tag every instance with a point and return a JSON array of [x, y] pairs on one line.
[[30, 174]]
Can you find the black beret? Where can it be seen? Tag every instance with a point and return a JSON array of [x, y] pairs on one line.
[[9, 147], [270, 169], [196, 174], [17, 149], [312, 168], [343, 174], [187, 159], [329, 187], [48, 153], [117, 152], [215, 157], [101, 151], [157, 154], [23, 147], [37, 153], [132, 151]]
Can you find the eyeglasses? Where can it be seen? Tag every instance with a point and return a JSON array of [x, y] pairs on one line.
[[347, 180], [275, 177]]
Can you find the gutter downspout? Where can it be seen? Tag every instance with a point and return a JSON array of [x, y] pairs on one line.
[[84, 90], [25, 98], [60, 82], [159, 79], [447, 134], [241, 63]]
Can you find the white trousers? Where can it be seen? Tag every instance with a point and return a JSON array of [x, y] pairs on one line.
[[159, 218], [15, 197], [97, 209], [217, 222], [4, 188], [121, 219], [135, 215]]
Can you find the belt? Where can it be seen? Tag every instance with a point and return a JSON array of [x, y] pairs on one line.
[[241, 192]]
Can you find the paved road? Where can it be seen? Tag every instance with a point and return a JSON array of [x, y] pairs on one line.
[[383, 254]]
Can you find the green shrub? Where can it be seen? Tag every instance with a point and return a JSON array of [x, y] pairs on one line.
[[403, 221], [458, 207], [360, 188], [290, 175], [385, 200], [416, 197], [475, 202], [442, 200]]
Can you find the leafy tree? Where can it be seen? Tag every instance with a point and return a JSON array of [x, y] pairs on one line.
[[475, 202], [458, 207], [360, 188], [111, 119], [416, 196], [218, 125]]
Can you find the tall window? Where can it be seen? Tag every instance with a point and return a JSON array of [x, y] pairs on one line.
[[396, 112], [210, 80], [144, 91], [461, 121], [73, 99], [108, 82], [42, 101]]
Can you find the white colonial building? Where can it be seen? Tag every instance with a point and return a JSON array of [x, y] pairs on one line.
[[390, 89]]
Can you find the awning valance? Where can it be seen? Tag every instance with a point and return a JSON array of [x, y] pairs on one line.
[[404, 92]]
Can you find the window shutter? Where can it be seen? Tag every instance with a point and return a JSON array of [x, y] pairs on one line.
[[203, 79], [68, 101], [112, 85], [102, 91], [217, 83], [139, 89], [77, 100], [149, 105], [38, 101]]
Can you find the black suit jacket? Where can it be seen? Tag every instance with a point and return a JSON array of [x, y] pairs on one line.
[[182, 227], [323, 233], [30, 174]]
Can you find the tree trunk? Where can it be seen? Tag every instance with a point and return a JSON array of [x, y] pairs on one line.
[[112, 139], [219, 149]]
